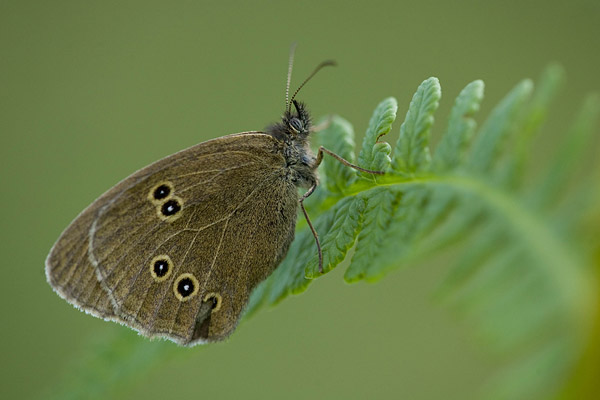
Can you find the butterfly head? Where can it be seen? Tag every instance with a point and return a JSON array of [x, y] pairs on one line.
[[294, 126]]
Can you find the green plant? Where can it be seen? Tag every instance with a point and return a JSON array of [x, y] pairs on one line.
[[528, 252]]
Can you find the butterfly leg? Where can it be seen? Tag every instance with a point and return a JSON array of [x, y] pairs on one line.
[[310, 191], [310, 225], [323, 150]]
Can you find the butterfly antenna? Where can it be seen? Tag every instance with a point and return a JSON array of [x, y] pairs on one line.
[[289, 74], [326, 63]]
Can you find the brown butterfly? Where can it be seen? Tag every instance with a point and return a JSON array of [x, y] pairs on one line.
[[176, 249]]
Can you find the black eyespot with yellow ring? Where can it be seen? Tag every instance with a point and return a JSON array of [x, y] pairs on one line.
[[170, 210], [185, 287], [216, 300], [161, 192], [161, 267]]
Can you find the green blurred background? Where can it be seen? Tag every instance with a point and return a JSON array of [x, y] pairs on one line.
[[92, 91]]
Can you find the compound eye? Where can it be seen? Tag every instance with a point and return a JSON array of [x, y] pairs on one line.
[[296, 125]]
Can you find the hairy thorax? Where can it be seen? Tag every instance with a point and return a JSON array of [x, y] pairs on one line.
[[300, 164]]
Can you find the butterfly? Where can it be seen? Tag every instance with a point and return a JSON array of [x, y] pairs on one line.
[[175, 249]]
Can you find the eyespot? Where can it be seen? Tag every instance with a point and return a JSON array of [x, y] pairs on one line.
[[170, 210], [161, 267], [161, 192], [185, 287], [170, 207], [216, 300], [296, 125]]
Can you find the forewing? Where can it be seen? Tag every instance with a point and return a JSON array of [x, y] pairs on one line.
[[235, 222]]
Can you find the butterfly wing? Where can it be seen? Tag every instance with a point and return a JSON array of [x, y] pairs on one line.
[[175, 249]]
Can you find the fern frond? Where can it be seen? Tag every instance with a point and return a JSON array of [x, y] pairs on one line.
[[461, 127], [375, 155], [339, 138], [527, 287], [412, 151], [490, 141]]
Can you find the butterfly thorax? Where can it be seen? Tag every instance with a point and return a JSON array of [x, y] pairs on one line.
[[293, 131]]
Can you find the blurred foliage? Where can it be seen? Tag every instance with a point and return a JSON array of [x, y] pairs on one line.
[[525, 264]]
